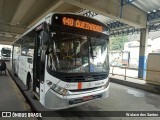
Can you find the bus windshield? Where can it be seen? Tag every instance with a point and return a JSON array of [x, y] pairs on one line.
[[6, 52], [74, 53]]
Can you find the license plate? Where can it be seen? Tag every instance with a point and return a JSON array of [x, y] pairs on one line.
[[87, 98]]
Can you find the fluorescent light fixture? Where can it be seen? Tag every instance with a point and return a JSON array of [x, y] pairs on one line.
[[154, 10]]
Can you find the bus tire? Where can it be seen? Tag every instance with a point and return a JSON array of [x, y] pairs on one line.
[[29, 82], [29, 86], [14, 71]]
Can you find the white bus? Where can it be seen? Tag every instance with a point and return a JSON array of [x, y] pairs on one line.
[[63, 60], [5, 53]]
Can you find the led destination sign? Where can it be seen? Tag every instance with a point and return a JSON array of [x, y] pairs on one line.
[[81, 24]]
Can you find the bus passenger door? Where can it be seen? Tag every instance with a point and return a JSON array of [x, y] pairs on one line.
[[39, 65]]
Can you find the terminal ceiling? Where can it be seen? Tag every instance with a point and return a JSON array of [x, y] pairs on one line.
[[16, 16]]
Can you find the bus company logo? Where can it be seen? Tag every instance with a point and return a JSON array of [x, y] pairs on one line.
[[70, 85], [20, 114], [99, 83], [6, 114], [89, 85]]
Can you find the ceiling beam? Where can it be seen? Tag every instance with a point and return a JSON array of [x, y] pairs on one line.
[[121, 28], [156, 2], [8, 39], [111, 8], [5, 43], [7, 33], [142, 8], [52, 7], [21, 11], [6, 28]]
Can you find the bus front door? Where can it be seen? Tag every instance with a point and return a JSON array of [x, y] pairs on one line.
[[37, 63]]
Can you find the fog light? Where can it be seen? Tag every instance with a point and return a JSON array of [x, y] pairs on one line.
[[59, 89], [64, 92]]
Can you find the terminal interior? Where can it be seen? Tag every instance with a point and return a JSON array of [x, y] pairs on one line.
[[132, 48]]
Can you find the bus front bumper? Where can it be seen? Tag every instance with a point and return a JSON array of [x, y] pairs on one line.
[[56, 101]]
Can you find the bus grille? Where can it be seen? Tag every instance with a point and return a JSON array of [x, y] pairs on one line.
[[85, 78], [87, 89], [79, 77]]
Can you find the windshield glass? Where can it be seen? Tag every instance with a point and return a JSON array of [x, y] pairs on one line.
[[6, 52], [73, 53]]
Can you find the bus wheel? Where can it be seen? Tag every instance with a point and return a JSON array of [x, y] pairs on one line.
[[29, 82], [14, 71], [29, 88]]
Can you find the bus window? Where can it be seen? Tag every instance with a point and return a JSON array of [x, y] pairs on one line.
[[69, 53]]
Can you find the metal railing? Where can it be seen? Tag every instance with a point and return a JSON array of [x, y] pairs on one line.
[[125, 72]]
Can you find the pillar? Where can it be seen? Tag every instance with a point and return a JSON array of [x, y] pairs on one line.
[[143, 53]]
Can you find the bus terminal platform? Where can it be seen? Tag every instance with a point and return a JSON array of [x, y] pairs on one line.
[[14, 94], [135, 83], [10, 96]]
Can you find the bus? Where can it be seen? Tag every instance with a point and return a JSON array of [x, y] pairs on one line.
[[5, 53], [63, 60]]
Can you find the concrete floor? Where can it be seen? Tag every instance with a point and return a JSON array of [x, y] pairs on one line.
[[11, 98], [121, 98], [124, 98]]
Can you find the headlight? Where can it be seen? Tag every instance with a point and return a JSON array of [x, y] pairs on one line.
[[57, 88]]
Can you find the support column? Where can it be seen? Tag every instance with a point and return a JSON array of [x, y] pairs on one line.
[[143, 53]]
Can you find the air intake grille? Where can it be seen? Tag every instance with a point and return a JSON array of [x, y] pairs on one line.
[[87, 89], [85, 78], [79, 77]]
